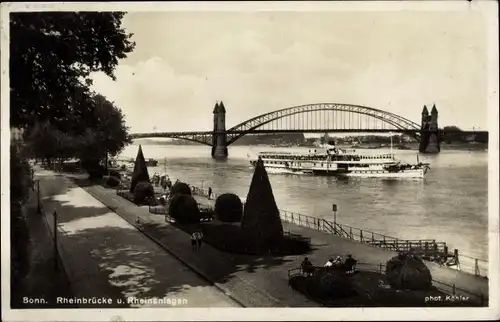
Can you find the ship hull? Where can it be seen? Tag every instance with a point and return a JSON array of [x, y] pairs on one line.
[[412, 173], [416, 172]]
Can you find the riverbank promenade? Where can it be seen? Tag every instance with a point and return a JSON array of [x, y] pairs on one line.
[[109, 262], [110, 247], [255, 281]]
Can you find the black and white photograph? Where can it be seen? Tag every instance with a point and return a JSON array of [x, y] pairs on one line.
[[250, 160]]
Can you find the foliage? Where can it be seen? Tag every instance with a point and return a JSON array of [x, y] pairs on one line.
[[113, 181], [20, 174], [229, 237], [228, 208], [114, 173], [71, 167], [142, 191], [105, 132], [261, 217], [53, 55], [180, 188], [184, 209], [453, 134], [140, 170], [324, 139], [408, 271], [47, 142], [95, 172], [20, 185], [330, 283]]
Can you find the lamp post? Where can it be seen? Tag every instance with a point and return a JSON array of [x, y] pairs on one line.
[[334, 208]]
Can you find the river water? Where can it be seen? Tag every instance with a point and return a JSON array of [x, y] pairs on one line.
[[450, 204]]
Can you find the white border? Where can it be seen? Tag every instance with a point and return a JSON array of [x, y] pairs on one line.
[[489, 9]]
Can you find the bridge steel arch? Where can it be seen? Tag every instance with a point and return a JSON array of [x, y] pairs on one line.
[[252, 124]]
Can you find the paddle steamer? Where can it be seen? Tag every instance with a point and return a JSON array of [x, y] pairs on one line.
[[333, 161]]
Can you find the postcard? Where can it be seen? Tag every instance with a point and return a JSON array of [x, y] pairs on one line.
[[174, 161]]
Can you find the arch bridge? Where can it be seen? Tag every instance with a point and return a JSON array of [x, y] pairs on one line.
[[311, 118]]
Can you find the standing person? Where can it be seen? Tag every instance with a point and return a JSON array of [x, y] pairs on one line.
[[209, 193], [194, 237], [199, 239], [163, 183]]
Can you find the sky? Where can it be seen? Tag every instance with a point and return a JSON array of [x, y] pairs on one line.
[[257, 62]]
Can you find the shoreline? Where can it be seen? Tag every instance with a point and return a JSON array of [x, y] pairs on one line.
[[470, 264]]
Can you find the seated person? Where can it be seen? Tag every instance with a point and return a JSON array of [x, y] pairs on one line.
[[329, 263], [307, 266], [350, 264], [337, 261]]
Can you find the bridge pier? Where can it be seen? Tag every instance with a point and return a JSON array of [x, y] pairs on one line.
[[219, 152], [219, 140], [430, 140]]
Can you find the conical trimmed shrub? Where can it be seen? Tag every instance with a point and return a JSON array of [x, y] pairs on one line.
[[261, 217], [140, 170]]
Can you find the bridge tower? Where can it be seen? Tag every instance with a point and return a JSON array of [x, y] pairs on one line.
[[219, 138], [216, 116], [429, 140]]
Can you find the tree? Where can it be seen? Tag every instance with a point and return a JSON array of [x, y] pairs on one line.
[[261, 216], [105, 133], [47, 142], [325, 139], [52, 55], [453, 133]]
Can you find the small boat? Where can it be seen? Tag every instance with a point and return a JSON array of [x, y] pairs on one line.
[[151, 163], [341, 163]]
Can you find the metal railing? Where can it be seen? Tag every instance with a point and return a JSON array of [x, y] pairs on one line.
[[426, 247], [429, 249]]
